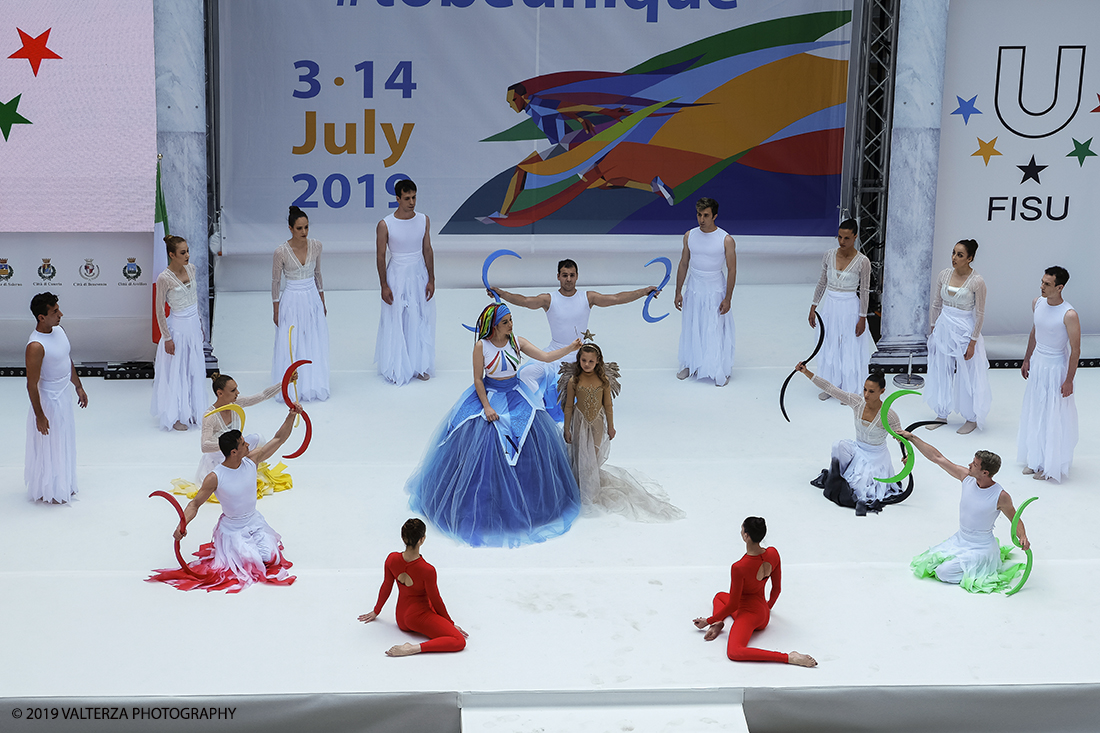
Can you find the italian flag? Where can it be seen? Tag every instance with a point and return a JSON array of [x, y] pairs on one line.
[[160, 255]]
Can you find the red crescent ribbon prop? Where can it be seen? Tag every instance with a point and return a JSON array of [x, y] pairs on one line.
[[286, 398], [179, 510], [309, 435]]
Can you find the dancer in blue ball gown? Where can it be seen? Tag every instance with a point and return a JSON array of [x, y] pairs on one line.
[[496, 472]]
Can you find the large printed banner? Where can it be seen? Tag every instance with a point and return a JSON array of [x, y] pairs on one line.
[[1019, 163], [531, 117]]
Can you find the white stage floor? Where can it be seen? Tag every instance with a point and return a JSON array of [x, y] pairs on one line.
[[608, 606]]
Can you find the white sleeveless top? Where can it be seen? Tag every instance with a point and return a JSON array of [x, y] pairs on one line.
[[708, 250], [56, 367], [568, 316], [406, 236], [1050, 325], [237, 489], [978, 507], [500, 363]]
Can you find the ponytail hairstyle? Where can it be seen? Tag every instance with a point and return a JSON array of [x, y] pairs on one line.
[[219, 382], [412, 531], [489, 318], [172, 243], [295, 215], [591, 348]]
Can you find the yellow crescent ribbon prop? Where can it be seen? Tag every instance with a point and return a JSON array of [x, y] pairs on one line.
[[231, 407], [290, 347]]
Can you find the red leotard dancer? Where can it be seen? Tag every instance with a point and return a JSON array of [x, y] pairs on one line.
[[419, 606], [745, 601]]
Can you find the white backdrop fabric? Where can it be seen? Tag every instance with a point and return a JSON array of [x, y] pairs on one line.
[[1019, 166]]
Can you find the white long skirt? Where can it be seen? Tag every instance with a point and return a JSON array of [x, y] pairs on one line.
[[612, 489], [707, 339], [405, 346], [179, 380], [844, 356], [49, 470], [1048, 421], [954, 383], [300, 306], [861, 463]]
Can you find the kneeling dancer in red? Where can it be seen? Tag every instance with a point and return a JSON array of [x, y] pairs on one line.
[[745, 601], [245, 549], [419, 606]]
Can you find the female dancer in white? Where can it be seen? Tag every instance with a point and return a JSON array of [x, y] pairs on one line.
[[302, 306], [587, 388], [958, 370], [707, 335], [217, 424], [843, 292], [180, 367], [496, 472], [868, 456]]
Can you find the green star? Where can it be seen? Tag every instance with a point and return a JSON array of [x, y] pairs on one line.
[[9, 117], [1081, 151]]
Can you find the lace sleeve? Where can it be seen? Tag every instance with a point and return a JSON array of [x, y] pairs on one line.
[[164, 284], [937, 298], [836, 393], [864, 285], [317, 267], [209, 441], [824, 279], [978, 284], [276, 273], [894, 421], [256, 399]]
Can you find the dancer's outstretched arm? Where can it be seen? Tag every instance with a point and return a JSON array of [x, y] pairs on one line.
[[929, 452]]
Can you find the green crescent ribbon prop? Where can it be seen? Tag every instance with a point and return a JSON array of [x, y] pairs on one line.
[[1015, 541], [910, 454]]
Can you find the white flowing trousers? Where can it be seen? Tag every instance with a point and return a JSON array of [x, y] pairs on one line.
[[300, 306], [861, 463], [179, 379], [49, 470], [1048, 421], [844, 356], [405, 346], [707, 339], [954, 383]]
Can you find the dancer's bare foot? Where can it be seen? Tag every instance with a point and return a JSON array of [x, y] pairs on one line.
[[967, 427], [714, 631], [179, 426], [802, 660], [406, 649], [1028, 470], [683, 373], [935, 426], [824, 396], [423, 377]]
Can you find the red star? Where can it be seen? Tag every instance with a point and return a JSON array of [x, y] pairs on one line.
[[34, 49], [1097, 99]]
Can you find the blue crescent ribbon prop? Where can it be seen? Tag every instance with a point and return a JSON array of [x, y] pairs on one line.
[[668, 274], [1015, 541], [910, 454], [485, 276], [783, 389]]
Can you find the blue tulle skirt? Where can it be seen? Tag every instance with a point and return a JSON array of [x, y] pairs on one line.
[[498, 484]]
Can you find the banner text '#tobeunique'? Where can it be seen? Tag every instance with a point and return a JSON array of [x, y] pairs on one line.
[[650, 6]]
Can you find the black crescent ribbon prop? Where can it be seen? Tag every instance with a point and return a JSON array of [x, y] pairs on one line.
[[783, 391], [286, 398], [179, 510]]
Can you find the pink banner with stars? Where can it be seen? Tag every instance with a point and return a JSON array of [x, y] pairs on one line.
[[77, 116]]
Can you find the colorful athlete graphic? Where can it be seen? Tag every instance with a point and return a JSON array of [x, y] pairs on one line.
[[753, 117]]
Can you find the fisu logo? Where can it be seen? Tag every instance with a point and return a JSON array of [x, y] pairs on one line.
[[1009, 96]]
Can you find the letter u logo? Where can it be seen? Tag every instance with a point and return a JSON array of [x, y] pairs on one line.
[[1009, 97]]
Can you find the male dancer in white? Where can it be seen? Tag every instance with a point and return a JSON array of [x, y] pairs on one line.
[[245, 547], [1048, 420], [49, 470], [567, 311], [406, 326], [971, 557], [707, 330]]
